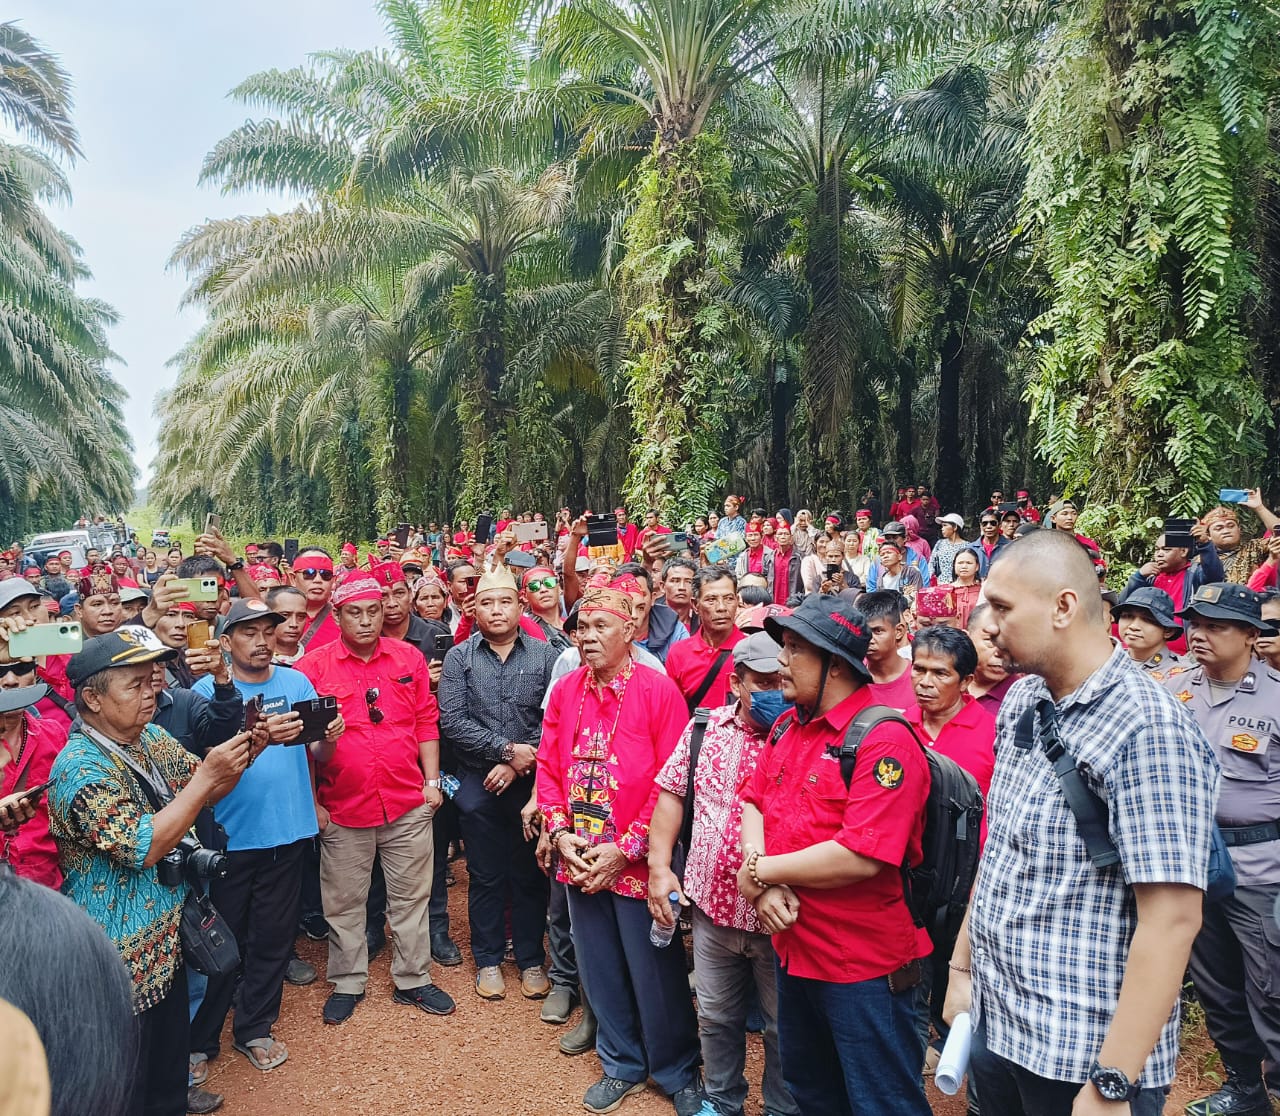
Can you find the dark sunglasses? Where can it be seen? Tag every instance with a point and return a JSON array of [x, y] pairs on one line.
[[18, 669], [989, 523], [371, 700], [540, 583], [311, 571]]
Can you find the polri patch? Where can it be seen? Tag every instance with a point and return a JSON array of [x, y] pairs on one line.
[[889, 773]]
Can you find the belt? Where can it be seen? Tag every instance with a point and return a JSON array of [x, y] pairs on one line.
[[1251, 834]]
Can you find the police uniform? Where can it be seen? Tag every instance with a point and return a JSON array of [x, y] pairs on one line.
[[1157, 604], [1235, 963], [1163, 664]]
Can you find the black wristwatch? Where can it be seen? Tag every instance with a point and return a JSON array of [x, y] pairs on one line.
[[1112, 1084], [238, 564]]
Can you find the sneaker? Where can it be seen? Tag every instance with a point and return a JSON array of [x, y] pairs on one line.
[[315, 927], [558, 1005], [534, 984], [339, 1006], [691, 1101], [200, 1101], [1237, 1097], [445, 951], [608, 1093], [432, 1000], [489, 983], [299, 972]]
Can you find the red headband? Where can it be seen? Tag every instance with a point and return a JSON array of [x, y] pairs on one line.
[[311, 560]]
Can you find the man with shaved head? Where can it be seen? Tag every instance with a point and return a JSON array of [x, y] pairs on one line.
[[1072, 956]]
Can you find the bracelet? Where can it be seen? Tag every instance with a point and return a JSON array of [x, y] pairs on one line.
[[751, 871], [957, 968], [508, 752], [554, 835]]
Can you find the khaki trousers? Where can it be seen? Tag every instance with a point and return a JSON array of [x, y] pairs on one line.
[[346, 861]]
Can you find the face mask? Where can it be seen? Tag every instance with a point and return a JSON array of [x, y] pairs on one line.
[[766, 707]]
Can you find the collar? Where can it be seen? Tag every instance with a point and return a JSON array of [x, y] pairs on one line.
[[617, 684], [164, 699], [1102, 680], [345, 652]]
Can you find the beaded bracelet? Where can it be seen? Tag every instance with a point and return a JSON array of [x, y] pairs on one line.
[[751, 871]]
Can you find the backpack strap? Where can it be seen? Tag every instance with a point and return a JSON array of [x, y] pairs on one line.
[[700, 717], [695, 699], [1090, 811], [871, 717]]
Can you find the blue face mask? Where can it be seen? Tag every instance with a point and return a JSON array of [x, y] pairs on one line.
[[766, 707]]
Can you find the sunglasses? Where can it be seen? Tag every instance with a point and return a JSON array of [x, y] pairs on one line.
[[311, 571], [371, 701], [18, 669], [540, 583], [988, 523]]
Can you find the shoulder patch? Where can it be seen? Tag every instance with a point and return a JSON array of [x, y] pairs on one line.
[[1183, 695], [889, 773]]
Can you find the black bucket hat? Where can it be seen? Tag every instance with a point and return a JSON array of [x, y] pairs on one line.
[[829, 624]]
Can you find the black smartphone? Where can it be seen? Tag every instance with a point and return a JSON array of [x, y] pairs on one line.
[[402, 535], [252, 712], [316, 714], [291, 551], [521, 560], [484, 527], [443, 642], [832, 571], [32, 794], [602, 530]]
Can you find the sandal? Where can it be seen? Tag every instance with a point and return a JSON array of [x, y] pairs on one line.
[[249, 1049], [198, 1068]]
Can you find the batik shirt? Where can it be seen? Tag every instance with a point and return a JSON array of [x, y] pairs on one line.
[[102, 823]]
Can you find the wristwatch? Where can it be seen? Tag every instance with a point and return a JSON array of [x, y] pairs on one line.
[[433, 782], [1112, 1084], [238, 564]]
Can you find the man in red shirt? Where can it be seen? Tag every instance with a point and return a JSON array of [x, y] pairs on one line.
[[609, 727], [890, 669], [786, 566], [822, 866], [376, 796], [701, 665], [628, 533], [313, 577], [991, 679]]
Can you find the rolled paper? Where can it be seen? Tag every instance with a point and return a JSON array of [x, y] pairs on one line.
[[954, 1063]]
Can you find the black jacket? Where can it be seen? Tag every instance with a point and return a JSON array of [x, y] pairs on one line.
[[197, 723]]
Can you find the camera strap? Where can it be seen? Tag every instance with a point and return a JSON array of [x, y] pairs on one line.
[[153, 783]]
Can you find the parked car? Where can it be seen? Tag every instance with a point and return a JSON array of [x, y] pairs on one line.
[[161, 537], [78, 541]]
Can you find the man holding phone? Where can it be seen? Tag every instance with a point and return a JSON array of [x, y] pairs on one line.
[[1171, 568], [269, 818]]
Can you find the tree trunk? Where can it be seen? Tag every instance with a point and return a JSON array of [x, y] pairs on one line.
[[949, 470], [781, 399], [904, 455]]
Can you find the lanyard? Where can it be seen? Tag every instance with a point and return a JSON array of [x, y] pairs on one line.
[[154, 778]]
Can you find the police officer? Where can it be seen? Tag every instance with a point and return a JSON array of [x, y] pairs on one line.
[[1235, 963], [1146, 624]]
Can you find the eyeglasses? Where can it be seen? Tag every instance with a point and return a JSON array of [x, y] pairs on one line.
[[371, 701], [540, 583], [988, 523], [18, 669], [311, 571]]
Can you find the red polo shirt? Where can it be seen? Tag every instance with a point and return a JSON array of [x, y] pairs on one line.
[[897, 694], [863, 930], [969, 738], [31, 850], [689, 660], [327, 632], [375, 776]]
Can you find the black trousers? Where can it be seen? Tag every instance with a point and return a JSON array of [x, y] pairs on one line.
[[259, 898], [160, 1088], [501, 866]]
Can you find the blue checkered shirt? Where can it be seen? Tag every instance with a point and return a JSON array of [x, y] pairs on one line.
[[1049, 932]]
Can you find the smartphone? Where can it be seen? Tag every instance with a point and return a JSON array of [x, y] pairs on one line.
[[521, 560], [291, 551], [197, 635], [602, 530], [32, 794], [443, 642], [199, 588], [252, 712], [679, 540], [484, 527], [316, 714], [212, 521], [63, 638], [530, 532], [401, 535], [832, 571], [471, 583], [1233, 495]]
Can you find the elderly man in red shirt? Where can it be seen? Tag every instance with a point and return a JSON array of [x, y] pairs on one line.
[[822, 864], [701, 665], [609, 727], [376, 796]]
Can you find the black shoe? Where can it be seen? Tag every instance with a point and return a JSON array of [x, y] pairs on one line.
[[299, 972], [200, 1101], [609, 1092], [432, 1000], [690, 1100], [1238, 1097], [339, 1006], [376, 941], [444, 950], [315, 927]]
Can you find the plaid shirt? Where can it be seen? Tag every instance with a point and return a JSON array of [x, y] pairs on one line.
[[1050, 933]]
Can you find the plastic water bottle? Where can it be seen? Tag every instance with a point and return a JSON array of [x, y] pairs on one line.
[[449, 784], [661, 935]]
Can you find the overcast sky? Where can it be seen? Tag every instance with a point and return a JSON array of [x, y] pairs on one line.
[[151, 82]]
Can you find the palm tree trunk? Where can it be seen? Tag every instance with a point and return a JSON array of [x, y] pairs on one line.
[[781, 398], [949, 471], [905, 451]]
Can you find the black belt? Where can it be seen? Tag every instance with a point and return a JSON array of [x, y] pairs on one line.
[[1251, 834]]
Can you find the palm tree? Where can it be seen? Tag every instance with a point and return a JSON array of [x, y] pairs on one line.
[[35, 92]]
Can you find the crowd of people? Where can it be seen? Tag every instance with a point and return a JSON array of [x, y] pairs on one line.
[[636, 734]]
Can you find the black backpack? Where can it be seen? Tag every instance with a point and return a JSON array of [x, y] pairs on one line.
[[936, 890]]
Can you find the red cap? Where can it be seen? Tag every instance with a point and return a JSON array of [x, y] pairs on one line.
[[252, 548], [349, 548], [1023, 494]]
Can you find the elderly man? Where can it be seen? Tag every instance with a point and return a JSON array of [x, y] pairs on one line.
[[123, 795], [608, 729], [377, 795], [491, 713]]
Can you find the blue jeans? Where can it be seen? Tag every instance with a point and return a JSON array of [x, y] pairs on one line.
[[850, 1047], [1010, 1090]]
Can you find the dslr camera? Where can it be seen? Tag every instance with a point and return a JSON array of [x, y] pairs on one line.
[[190, 862]]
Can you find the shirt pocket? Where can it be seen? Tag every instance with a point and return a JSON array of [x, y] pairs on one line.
[[1246, 756], [823, 799]]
